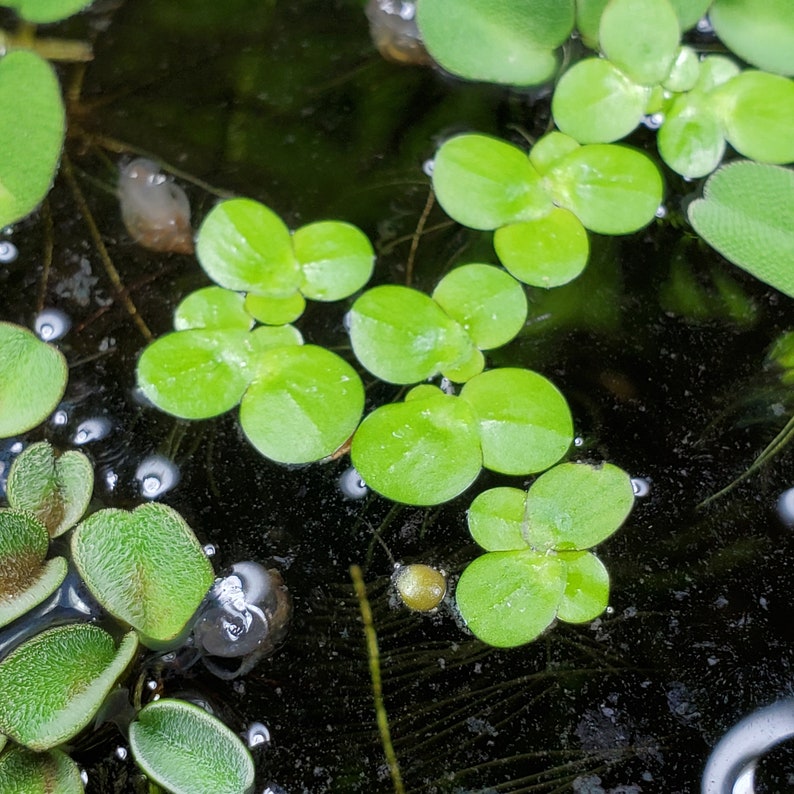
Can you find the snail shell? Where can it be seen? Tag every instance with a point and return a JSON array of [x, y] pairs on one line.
[[392, 26], [154, 209], [420, 587]]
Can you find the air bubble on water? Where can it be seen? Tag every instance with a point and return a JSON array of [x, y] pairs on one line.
[[661, 211], [653, 120], [90, 430], [121, 753], [785, 507], [640, 486], [274, 788], [111, 479], [447, 386], [8, 252], [84, 777], [704, 26], [257, 735], [151, 685], [347, 321], [210, 549], [60, 417], [51, 324], [351, 485], [578, 441], [156, 475], [428, 166]]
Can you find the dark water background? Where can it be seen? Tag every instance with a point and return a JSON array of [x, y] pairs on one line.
[[290, 104]]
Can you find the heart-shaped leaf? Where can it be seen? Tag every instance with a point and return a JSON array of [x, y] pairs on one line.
[[145, 567]]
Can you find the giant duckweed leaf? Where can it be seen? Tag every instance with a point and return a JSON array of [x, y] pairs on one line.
[[145, 567], [33, 377], [483, 182], [43, 11], [488, 303], [640, 37], [336, 259], [586, 593], [525, 423], [25, 772], [759, 31], [424, 451], [198, 373], [500, 41], [56, 682], [26, 579], [403, 336], [747, 214], [497, 519], [213, 307], [594, 102], [243, 245], [188, 751], [612, 189], [303, 405], [508, 598], [32, 128], [55, 488]]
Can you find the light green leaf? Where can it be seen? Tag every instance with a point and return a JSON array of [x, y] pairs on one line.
[[546, 252], [25, 772], [55, 488], [525, 423], [188, 751], [684, 72], [497, 519], [55, 683], [303, 405], [275, 311], [689, 12], [747, 214], [32, 127], [212, 307], [488, 303], [33, 378], [43, 11], [586, 593], [509, 598], [691, 139], [145, 567], [550, 149], [483, 182]]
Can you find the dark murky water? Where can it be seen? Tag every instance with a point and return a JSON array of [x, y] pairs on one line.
[[289, 104]]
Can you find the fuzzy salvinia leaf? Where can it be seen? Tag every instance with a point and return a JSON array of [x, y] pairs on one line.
[[43, 11], [32, 127], [24, 772], [188, 751], [746, 213]]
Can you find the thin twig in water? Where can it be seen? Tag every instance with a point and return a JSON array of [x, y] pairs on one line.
[[46, 212], [409, 265]]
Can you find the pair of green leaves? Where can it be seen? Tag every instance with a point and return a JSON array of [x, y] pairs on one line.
[[431, 447], [537, 566], [540, 205]]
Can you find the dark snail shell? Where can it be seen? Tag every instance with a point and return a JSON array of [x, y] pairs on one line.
[[393, 29]]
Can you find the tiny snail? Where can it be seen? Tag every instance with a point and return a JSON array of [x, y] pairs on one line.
[[392, 26], [420, 587], [155, 211], [245, 616]]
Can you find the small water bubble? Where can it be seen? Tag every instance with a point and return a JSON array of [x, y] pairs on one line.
[[51, 324], [156, 475], [640, 486], [84, 777], [210, 549], [428, 166], [8, 252], [653, 120], [121, 753], [447, 386], [704, 26], [257, 735], [347, 321], [60, 418], [111, 479], [785, 507], [351, 485], [578, 441], [274, 788], [90, 430], [661, 211]]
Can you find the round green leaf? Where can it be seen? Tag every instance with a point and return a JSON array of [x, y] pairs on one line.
[[266, 337], [303, 405], [689, 12], [336, 259], [640, 37], [243, 245], [586, 593], [575, 505], [759, 31], [684, 72], [488, 303], [757, 110], [275, 311], [421, 452], [508, 598], [145, 567], [483, 182], [25, 772], [198, 373], [32, 127], [714, 71], [550, 149], [612, 189], [55, 683], [497, 519], [212, 307], [403, 336], [525, 422], [55, 488], [188, 751], [499, 41], [546, 252], [26, 579], [467, 368], [33, 377], [691, 139], [43, 11], [747, 214], [594, 102]]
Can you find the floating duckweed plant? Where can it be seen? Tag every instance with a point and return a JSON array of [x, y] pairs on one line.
[[33, 378], [43, 11], [537, 566], [23, 771]]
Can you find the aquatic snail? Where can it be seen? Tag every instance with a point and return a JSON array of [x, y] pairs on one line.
[[154, 209], [244, 617], [420, 587], [392, 26]]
